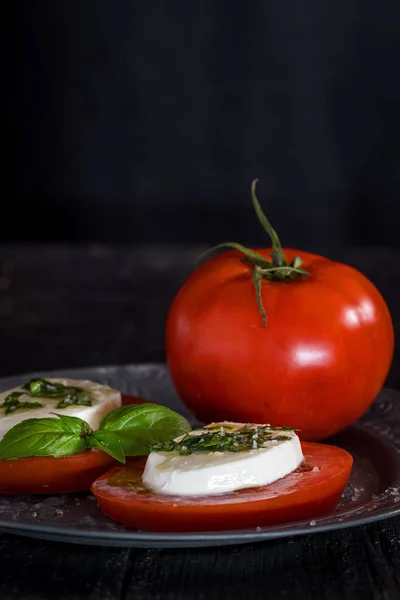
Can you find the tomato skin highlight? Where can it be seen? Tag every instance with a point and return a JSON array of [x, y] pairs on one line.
[[317, 366], [304, 494], [48, 475]]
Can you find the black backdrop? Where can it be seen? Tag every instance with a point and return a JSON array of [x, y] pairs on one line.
[[147, 121]]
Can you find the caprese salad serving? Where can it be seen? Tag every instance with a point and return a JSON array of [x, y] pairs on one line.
[[78, 430], [149, 470], [226, 476]]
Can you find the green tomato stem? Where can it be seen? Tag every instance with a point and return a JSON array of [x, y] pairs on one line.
[[257, 281], [277, 254], [277, 269]]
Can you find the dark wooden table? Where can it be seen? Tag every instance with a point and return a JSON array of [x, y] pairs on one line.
[[66, 306]]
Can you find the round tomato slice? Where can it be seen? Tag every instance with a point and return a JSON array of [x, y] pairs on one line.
[[48, 475], [311, 491]]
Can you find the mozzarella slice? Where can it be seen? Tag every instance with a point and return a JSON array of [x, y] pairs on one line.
[[207, 473], [103, 398]]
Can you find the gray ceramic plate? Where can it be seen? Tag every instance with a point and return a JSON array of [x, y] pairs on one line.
[[373, 492]]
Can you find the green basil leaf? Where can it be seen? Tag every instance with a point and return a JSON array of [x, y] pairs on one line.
[[42, 387], [15, 405], [78, 398], [49, 389], [13, 396], [15, 401], [74, 425], [108, 442], [41, 437], [140, 426]]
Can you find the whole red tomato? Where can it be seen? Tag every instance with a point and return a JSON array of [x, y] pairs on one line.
[[299, 340]]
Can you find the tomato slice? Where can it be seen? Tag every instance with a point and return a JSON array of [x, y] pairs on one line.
[[311, 491], [48, 475], [126, 400]]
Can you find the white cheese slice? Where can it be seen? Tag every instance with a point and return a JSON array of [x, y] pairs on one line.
[[104, 399], [207, 473]]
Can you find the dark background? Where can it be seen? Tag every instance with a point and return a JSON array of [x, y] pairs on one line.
[[147, 121]]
